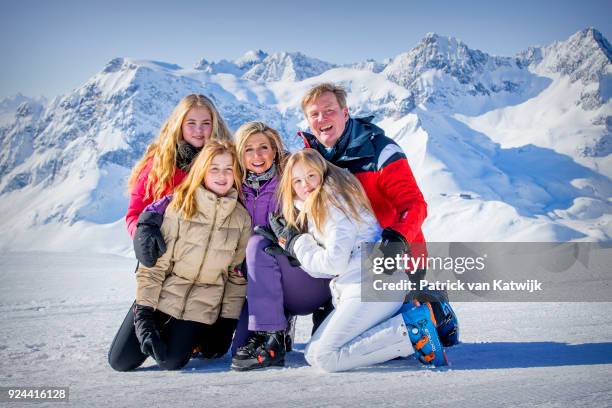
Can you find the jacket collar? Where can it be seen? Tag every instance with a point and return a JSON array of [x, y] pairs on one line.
[[208, 202], [266, 186], [257, 180], [359, 144]]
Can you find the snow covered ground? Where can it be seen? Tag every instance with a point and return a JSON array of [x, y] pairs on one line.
[[59, 313]]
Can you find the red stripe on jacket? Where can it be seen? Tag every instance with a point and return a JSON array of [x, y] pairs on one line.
[[397, 201]]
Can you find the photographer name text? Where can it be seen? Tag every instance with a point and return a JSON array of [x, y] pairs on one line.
[[530, 285]]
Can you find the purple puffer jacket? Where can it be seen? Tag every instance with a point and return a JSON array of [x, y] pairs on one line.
[[259, 203]]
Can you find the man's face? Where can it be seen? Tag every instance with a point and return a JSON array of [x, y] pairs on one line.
[[326, 118]]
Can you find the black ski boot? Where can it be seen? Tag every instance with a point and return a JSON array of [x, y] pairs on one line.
[[448, 324], [248, 350], [319, 315], [270, 353]]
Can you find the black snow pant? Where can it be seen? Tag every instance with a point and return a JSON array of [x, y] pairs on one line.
[[180, 337]]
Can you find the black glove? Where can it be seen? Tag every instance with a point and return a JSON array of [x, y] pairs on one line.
[[219, 338], [392, 243], [148, 336], [149, 243], [285, 234], [275, 249], [266, 232]]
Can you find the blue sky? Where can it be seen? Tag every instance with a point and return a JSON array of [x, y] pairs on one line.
[[50, 47]]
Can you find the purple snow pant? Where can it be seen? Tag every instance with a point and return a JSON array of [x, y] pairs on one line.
[[275, 289]]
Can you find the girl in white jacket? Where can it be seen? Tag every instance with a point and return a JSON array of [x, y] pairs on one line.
[[326, 217]]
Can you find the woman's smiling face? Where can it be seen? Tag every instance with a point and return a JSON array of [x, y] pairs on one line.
[[258, 153]]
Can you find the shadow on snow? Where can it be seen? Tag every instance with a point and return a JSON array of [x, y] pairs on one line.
[[465, 356]]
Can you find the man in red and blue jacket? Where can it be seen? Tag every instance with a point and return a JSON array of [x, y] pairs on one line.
[[382, 168]]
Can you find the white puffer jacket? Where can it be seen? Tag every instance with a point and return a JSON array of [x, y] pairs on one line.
[[335, 251]]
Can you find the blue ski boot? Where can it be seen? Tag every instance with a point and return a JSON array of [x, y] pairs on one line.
[[421, 325], [447, 323]]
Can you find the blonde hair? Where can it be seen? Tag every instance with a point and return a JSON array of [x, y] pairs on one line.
[[163, 149], [184, 199], [318, 90], [251, 128], [338, 187]]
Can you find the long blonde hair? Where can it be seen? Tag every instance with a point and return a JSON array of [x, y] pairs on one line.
[[184, 199], [338, 187], [249, 129], [163, 149]]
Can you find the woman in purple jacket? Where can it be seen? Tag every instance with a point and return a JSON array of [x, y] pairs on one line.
[[276, 287]]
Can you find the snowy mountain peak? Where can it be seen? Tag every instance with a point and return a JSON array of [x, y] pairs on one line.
[[19, 106], [287, 66], [250, 58], [586, 56], [370, 65], [11, 102], [28, 108], [201, 64], [591, 35], [128, 64], [118, 64], [446, 54], [236, 67], [442, 70], [442, 44], [218, 67]]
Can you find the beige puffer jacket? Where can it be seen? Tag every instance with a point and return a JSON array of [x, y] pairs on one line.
[[194, 278]]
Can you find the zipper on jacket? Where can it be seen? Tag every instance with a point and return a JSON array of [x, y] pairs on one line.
[[255, 201], [221, 306], [212, 230]]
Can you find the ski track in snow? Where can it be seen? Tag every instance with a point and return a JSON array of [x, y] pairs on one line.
[[61, 311]]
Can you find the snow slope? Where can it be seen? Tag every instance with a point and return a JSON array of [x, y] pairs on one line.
[[61, 311]]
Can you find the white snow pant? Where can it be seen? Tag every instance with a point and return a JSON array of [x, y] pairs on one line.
[[358, 334]]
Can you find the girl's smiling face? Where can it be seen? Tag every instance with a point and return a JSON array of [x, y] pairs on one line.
[[304, 180], [258, 153], [220, 176], [197, 126]]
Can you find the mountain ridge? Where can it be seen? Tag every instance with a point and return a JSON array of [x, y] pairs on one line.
[[64, 162]]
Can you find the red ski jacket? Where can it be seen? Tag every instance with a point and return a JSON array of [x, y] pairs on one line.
[[382, 168], [137, 195]]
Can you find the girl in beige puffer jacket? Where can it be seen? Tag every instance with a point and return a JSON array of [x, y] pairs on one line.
[[196, 280]]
